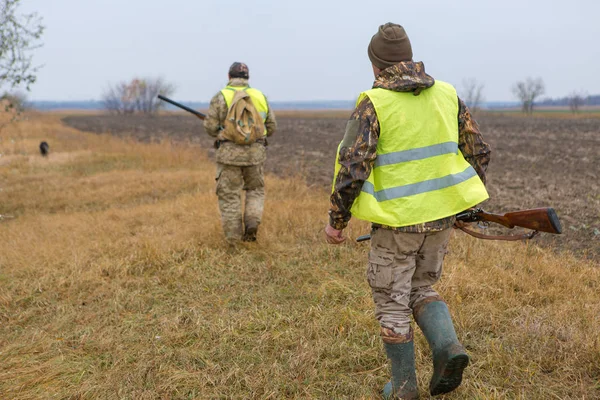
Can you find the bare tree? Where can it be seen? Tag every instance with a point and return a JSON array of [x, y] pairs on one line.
[[576, 100], [139, 95], [146, 92], [19, 35], [473, 93], [527, 91], [117, 99]]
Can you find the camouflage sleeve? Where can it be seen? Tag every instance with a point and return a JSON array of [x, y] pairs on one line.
[[470, 141], [357, 156], [270, 122], [217, 112]]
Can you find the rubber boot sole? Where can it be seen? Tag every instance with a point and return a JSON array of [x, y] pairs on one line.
[[450, 376], [250, 235]]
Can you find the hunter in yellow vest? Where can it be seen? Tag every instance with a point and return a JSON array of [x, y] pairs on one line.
[[239, 166], [412, 157]]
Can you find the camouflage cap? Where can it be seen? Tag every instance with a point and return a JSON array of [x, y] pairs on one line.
[[239, 70]]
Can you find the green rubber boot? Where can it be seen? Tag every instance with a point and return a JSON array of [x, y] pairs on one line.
[[449, 356], [403, 384]]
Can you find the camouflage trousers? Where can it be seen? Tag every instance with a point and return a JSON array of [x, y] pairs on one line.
[[231, 180], [402, 269]]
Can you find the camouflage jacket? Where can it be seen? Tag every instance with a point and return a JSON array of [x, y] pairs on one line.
[[231, 153], [362, 133]]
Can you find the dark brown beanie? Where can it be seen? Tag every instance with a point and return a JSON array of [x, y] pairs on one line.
[[389, 46]]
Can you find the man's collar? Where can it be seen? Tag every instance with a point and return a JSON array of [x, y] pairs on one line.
[[238, 82]]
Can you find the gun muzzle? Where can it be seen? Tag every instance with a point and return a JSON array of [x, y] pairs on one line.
[[363, 238]]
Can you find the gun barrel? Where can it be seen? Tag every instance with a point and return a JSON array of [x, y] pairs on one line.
[[363, 238], [176, 104]]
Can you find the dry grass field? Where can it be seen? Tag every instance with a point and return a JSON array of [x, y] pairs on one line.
[[115, 284]]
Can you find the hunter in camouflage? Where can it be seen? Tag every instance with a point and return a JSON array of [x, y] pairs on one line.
[[405, 261], [239, 167]]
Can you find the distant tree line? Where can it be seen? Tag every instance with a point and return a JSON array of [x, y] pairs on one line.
[[528, 92], [564, 101]]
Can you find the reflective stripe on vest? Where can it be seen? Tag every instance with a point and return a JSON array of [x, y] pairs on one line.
[[258, 99], [419, 174]]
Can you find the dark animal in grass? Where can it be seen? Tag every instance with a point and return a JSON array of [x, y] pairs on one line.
[[44, 149]]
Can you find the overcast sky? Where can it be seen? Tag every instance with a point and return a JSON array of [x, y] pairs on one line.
[[311, 50]]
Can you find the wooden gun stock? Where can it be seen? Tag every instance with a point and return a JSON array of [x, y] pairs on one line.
[[537, 219], [176, 104]]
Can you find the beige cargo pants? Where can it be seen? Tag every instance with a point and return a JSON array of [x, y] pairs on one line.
[[402, 269], [231, 180]]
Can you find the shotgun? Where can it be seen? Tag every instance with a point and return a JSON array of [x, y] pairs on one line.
[[537, 219], [176, 104]]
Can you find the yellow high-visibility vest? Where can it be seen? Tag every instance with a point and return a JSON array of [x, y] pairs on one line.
[[258, 99], [419, 174]]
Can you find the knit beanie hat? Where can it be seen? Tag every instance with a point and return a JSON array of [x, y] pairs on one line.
[[389, 46]]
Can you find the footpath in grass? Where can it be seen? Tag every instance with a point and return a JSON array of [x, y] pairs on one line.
[[115, 284]]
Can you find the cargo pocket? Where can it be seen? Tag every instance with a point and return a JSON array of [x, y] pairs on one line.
[[379, 271], [217, 176], [253, 177]]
